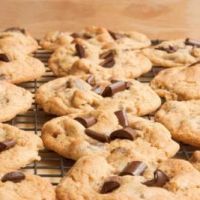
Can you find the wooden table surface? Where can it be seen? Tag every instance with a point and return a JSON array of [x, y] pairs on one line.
[[157, 18]]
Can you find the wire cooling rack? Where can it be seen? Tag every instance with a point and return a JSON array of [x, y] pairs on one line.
[[52, 165]]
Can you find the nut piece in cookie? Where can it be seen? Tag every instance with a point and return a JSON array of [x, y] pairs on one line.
[[175, 53], [94, 177], [13, 100], [180, 83], [103, 132], [17, 185], [182, 119], [17, 148], [74, 95]]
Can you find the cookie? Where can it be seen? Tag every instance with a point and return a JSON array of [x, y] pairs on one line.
[[75, 95], [195, 159], [20, 70], [55, 39], [13, 100], [182, 119], [108, 133], [93, 177], [17, 148], [180, 83], [17, 185], [175, 53], [15, 42], [96, 35], [82, 57]]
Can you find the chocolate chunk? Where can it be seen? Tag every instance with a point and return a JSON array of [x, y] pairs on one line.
[[135, 168], [98, 89], [4, 57], [113, 88], [125, 133], [7, 144], [91, 80], [80, 51], [109, 186], [116, 36], [156, 42], [107, 54], [87, 36], [122, 117], [13, 176], [169, 49], [86, 121], [76, 35], [108, 63], [15, 29], [97, 136], [2, 77], [81, 35], [192, 42], [159, 180]]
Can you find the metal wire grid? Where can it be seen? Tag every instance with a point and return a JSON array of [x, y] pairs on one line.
[[52, 165]]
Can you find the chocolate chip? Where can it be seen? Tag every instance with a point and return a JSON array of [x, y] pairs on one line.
[[86, 36], [98, 89], [76, 35], [125, 133], [113, 88], [91, 80], [135, 168], [15, 29], [7, 144], [116, 36], [156, 42], [81, 35], [159, 180], [97, 136], [80, 51], [86, 121], [122, 117], [169, 49], [109, 186], [4, 57], [192, 42], [2, 77], [108, 63], [107, 54], [13, 176]]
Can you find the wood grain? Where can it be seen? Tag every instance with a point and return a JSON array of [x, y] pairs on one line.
[[157, 18]]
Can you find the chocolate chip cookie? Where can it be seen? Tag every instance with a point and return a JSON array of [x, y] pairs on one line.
[[20, 70], [108, 133], [13, 100], [82, 57], [93, 177], [180, 83], [99, 36], [75, 95], [17, 185], [15, 42], [17, 148], [182, 119], [175, 53]]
